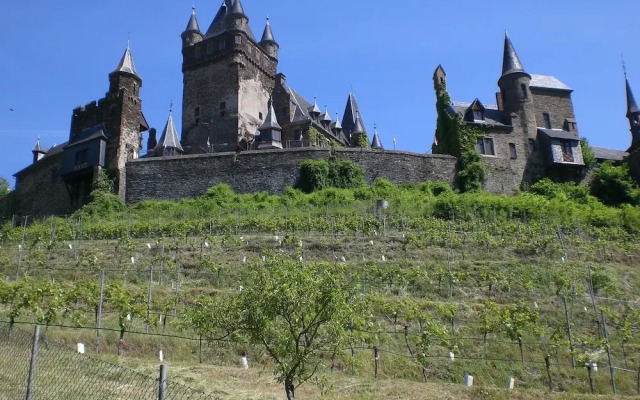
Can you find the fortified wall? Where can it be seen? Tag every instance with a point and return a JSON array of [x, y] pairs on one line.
[[174, 178]]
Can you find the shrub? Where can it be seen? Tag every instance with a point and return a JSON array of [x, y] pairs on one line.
[[221, 194], [588, 155], [346, 175], [319, 175], [614, 185], [471, 173], [314, 175]]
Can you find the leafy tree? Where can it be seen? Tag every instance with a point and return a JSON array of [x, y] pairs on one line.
[[297, 312], [5, 188], [128, 304], [614, 185], [588, 155], [490, 315], [12, 297]]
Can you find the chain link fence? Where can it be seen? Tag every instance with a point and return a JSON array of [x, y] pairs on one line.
[[34, 368]]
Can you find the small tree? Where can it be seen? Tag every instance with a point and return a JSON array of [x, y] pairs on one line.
[[297, 312], [4, 187], [614, 185], [588, 155], [128, 305], [518, 319]]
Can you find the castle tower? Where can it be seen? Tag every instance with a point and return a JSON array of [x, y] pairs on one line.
[[516, 98], [633, 114], [228, 80], [268, 42], [376, 144], [38, 152], [192, 34], [169, 144], [439, 79]]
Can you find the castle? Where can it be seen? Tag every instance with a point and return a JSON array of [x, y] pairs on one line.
[[242, 125]]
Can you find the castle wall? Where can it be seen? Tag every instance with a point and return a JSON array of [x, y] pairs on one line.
[[174, 178], [40, 189]]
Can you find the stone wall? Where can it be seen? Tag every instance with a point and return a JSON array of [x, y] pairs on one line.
[[174, 178], [556, 103]]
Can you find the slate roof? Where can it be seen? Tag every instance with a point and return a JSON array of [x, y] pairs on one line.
[[632, 106], [492, 116], [169, 138], [219, 24], [609, 154], [193, 25], [267, 35], [40, 149], [559, 134], [510, 62], [548, 82], [376, 143], [359, 127], [88, 135], [352, 110], [126, 63], [270, 122], [302, 107]]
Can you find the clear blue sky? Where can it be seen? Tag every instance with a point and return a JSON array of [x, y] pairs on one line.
[[56, 55]]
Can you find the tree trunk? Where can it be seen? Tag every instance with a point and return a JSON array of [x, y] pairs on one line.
[[521, 349], [120, 342], [289, 389]]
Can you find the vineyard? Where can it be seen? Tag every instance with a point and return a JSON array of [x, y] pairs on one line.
[[435, 287]]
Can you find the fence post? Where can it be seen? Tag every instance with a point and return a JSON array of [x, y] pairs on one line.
[[606, 337], [376, 357], [589, 369], [162, 383], [566, 316], [406, 339], [34, 360], [547, 361], [99, 324]]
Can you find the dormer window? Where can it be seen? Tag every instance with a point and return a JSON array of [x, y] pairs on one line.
[[478, 115]]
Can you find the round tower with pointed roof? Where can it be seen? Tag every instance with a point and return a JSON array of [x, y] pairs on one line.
[[192, 33], [268, 41]]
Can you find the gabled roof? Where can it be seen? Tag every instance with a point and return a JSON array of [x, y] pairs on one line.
[[126, 63], [376, 143], [87, 135], [477, 104], [169, 138], [492, 116], [632, 106], [301, 112], [270, 122], [548, 82], [350, 113], [510, 62], [193, 25]]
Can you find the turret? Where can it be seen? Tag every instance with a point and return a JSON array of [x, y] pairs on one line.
[[169, 144], [337, 126], [125, 76], [314, 110], [38, 152], [270, 131], [359, 137], [325, 119], [633, 114], [376, 144], [268, 42], [439, 79], [515, 93], [192, 33], [236, 18]]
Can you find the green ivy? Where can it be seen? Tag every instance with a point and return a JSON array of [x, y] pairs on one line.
[[341, 174], [471, 173], [360, 140]]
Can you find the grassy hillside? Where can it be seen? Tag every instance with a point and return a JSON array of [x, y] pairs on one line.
[[441, 273]]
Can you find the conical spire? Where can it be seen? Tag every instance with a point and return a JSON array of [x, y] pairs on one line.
[[271, 122], [632, 106], [126, 63], [337, 126], [237, 9], [315, 110], [169, 139], [267, 36], [326, 117], [376, 143], [358, 128], [351, 111], [218, 25], [510, 62], [193, 26], [39, 148]]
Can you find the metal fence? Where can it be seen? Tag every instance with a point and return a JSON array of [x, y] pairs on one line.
[[34, 368]]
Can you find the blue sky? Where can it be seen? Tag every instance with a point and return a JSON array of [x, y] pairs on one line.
[[55, 56]]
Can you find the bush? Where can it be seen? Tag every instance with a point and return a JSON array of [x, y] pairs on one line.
[[569, 191], [471, 174], [319, 175], [314, 175], [588, 155], [221, 194], [614, 185], [346, 175]]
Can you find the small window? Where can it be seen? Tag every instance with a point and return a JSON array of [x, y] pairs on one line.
[[198, 52], [547, 120], [260, 116], [478, 115], [532, 145], [525, 91], [81, 156], [442, 80], [512, 151], [485, 147]]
